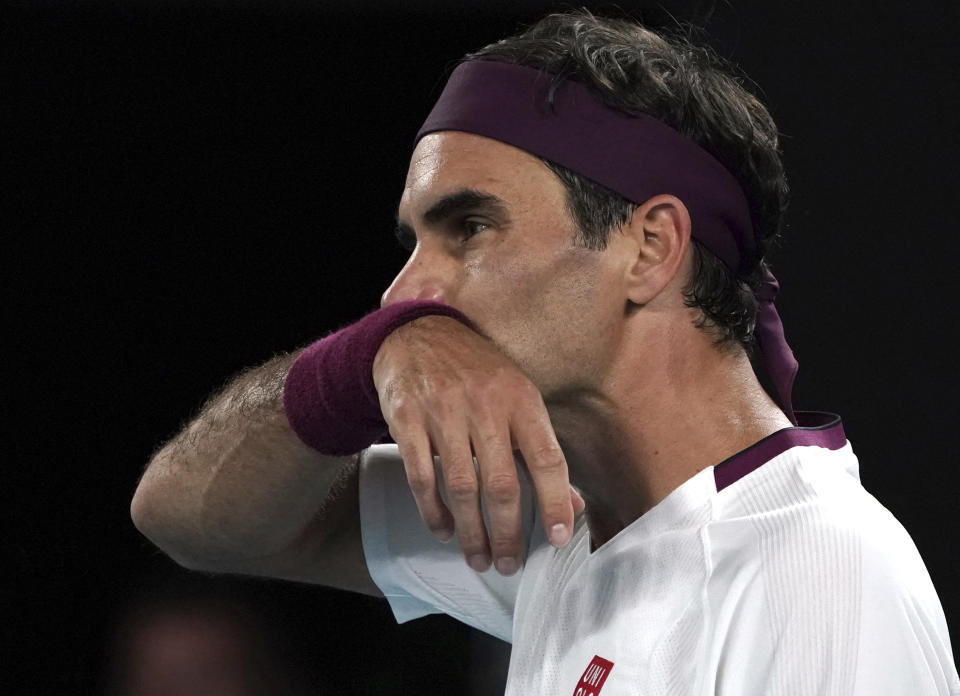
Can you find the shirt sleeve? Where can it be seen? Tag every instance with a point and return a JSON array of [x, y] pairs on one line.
[[417, 573], [904, 645]]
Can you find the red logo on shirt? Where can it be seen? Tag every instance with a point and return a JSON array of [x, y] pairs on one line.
[[592, 680]]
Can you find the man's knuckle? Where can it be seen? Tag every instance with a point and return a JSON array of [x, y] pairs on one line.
[[528, 392], [401, 411], [505, 543], [482, 414], [462, 487], [420, 482], [546, 459], [501, 488], [489, 390], [445, 418], [472, 542], [442, 390]]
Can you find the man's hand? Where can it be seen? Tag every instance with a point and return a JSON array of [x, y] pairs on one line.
[[444, 388]]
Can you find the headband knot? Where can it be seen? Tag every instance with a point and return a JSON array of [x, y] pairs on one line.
[[769, 288]]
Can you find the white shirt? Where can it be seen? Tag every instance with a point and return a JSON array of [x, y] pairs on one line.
[[774, 572]]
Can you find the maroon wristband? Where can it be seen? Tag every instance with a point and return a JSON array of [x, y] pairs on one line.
[[329, 396]]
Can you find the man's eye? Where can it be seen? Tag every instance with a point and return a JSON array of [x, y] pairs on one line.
[[473, 227]]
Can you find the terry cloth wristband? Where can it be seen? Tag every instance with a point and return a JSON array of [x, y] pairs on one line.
[[329, 396]]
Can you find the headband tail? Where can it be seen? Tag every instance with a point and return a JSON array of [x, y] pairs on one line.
[[780, 362]]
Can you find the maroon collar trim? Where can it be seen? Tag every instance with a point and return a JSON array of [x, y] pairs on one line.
[[816, 428]]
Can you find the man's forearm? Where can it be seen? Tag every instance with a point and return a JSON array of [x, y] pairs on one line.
[[237, 484]]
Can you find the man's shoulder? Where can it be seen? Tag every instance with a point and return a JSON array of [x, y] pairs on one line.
[[804, 489], [805, 517], [802, 556]]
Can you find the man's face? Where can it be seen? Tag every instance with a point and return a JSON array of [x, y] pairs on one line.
[[494, 238]]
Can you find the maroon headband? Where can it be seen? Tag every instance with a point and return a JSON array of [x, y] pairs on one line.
[[636, 156]]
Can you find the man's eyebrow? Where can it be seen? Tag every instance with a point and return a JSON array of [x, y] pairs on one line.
[[464, 200]]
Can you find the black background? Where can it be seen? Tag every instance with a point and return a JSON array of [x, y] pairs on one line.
[[194, 186]]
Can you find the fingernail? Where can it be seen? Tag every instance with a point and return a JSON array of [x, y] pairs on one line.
[[559, 535], [506, 565], [480, 562], [444, 535]]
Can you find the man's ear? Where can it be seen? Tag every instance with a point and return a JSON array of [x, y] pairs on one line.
[[660, 235]]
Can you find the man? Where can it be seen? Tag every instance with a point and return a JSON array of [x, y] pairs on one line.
[[588, 206]]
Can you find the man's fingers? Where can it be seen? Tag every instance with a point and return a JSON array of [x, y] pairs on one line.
[[544, 459], [473, 400], [463, 495], [422, 479], [500, 490]]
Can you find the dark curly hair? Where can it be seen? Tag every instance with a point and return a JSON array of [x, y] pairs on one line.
[[692, 89]]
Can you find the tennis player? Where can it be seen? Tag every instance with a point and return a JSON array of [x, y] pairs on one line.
[[570, 423]]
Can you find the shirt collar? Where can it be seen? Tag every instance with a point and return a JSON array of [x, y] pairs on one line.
[[815, 428]]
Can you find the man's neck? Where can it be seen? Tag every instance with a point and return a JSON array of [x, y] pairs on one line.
[[645, 432]]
